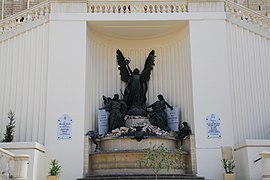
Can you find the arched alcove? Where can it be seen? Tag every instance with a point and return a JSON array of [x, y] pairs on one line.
[[171, 75]]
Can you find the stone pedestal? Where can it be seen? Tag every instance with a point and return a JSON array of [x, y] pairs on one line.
[[123, 162], [126, 143], [265, 165], [121, 155]]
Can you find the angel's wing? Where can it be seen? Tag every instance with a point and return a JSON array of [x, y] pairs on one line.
[[106, 100], [148, 66], [122, 63]]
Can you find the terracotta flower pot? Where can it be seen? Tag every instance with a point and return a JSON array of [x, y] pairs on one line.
[[52, 178], [230, 176]]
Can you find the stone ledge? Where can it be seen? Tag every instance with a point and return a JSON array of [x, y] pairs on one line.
[[23, 146], [252, 143], [126, 143]]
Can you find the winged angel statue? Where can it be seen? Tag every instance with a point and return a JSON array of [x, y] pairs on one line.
[[135, 91]]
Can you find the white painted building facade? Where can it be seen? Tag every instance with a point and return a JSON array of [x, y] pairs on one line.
[[62, 59]]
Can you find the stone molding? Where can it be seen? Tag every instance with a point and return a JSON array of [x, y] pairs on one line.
[[265, 154]]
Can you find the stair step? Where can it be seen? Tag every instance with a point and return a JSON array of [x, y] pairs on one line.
[[141, 177]]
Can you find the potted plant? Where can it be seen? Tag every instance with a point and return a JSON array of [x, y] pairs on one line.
[[228, 165], [54, 171]]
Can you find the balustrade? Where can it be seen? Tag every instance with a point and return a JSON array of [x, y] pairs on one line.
[[39, 11], [13, 166], [247, 15], [5, 164], [122, 7]]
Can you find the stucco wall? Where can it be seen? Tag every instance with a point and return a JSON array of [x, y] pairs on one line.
[[66, 95], [23, 83], [211, 95], [248, 56]]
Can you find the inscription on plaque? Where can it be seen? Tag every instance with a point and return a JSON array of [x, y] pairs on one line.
[[64, 127], [173, 118], [213, 126], [102, 122]]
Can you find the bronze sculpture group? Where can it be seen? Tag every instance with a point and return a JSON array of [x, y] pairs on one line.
[[133, 103], [134, 96]]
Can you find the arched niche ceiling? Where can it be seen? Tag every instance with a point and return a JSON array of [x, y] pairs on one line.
[[136, 29]]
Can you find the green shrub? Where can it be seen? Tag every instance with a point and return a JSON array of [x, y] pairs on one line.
[[10, 127]]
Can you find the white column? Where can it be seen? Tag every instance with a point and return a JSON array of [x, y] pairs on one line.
[[21, 166], [210, 81], [66, 94]]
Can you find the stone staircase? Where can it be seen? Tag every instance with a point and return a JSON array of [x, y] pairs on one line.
[[141, 177]]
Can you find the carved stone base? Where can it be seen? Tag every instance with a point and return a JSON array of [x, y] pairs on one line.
[[121, 155], [123, 162]]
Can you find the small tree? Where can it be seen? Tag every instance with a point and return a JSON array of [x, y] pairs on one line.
[[10, 127], [157, 158]]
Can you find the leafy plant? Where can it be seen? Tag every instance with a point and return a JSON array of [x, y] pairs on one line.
[[55, 168], [157, 158], [10, 127], [228, 165]]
